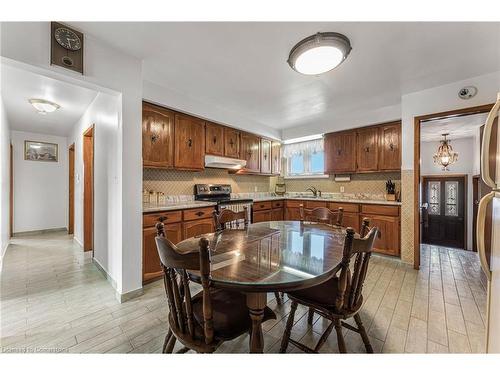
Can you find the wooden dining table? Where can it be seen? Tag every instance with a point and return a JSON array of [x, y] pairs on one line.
[[272, 256]]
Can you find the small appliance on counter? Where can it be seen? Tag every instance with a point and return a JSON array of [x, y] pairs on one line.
[[221, 194], [280, 187]]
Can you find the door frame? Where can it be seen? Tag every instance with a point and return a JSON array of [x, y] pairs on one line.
[[417, 123], [475, 197], [11, 191], [88, 191], [465, 178], [71, 189]]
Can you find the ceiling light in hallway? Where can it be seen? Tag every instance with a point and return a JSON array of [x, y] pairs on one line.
[[445, 154], [319, 53], [44, 106]]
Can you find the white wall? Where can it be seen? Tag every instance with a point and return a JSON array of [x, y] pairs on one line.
[[441, 99], [4, 179], [465, 165], [27, 45], [103, 113], [40, 188]]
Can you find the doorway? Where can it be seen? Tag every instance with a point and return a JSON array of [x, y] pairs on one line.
[[71, 189], [418, 123], [88, 189], [444, 211], [11, 192]]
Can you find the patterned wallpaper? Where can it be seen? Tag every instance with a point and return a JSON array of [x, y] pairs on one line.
[[173, 182]]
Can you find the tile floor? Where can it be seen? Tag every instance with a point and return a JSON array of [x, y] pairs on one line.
[[53, 299]]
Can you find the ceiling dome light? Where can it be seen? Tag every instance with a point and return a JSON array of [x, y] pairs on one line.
[[44, 106], [319, 53]]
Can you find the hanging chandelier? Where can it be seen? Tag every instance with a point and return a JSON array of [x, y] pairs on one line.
[[445, 154]]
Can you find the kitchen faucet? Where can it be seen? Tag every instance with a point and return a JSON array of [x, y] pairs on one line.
[[315, 191]]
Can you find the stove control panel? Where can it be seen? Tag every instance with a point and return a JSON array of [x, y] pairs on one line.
[[211, 189]]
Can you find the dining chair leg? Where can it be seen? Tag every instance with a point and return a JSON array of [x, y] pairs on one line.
[[310, 316], [278, 298], [167, 338], [170, 344], [324, 337], [288, 329], [362, 332], [340, 337]]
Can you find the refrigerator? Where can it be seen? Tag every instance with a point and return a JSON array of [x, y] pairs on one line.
[[488, 226]]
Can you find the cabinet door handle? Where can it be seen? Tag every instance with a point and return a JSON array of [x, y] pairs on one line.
[[215, 139], [391, 146], [265, 156], [199, 213], [154, 138], [162, 218], [190, 142], [367, 149], [379, 234], [339, 152]]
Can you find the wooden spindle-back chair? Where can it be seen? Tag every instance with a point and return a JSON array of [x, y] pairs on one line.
[[228, 219], [204, 321], [340, 297], [325, 216], [322, 215]]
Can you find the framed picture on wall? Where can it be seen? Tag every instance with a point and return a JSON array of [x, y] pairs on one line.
[[40, 151]]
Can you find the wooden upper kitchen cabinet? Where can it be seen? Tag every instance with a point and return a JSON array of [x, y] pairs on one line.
[[189, 142], [214, 139], [340, 152], [157, 136], [250, 151], [276, 158], [265, 156], [231, 143], [367, 150], [390, 150]]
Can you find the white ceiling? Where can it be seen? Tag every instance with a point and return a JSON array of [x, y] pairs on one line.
[[242, 67], [18, 86], [456, 127]]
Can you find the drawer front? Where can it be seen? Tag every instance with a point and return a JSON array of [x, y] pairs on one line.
[[348, 207], [293, 203], [150, 220], [258, 206], [375, 209], [277, 204], [199, 213]]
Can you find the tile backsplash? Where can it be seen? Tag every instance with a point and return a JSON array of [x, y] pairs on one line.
[[369, 183], [173, 182]]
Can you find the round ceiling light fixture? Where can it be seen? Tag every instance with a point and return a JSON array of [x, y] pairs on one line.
[[44, 106], [319, 53]]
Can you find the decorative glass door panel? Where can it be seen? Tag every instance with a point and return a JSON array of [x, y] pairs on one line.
[[443, 212]]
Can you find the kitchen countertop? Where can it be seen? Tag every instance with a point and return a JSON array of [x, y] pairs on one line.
[[176, 206], [328, 199], [198, 204]]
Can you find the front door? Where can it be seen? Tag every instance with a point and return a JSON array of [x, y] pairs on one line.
[[444, 211]]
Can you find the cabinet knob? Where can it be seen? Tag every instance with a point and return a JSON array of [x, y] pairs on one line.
[[199, 213], [367, 149], [339, 152], [391, 146], [215, 139], [190, 142], [161, 219], [154, 138]]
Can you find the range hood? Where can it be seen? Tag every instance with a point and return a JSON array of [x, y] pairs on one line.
[[224, 163]]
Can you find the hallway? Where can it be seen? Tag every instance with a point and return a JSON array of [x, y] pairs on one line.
[[54, 299]]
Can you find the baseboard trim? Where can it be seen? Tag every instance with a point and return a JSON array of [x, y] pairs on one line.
[[119, 296], [40, 231], [129, 295], [104, 273], [77, 241]]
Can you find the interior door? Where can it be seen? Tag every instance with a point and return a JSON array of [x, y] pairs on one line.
[[444, 200]]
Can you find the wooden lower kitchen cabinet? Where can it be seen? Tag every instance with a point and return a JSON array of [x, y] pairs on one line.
[[387, 219], [179, 225], [151, 267], [262, 211], [197, 227]]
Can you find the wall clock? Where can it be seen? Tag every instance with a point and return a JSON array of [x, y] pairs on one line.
[[66, 47]]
